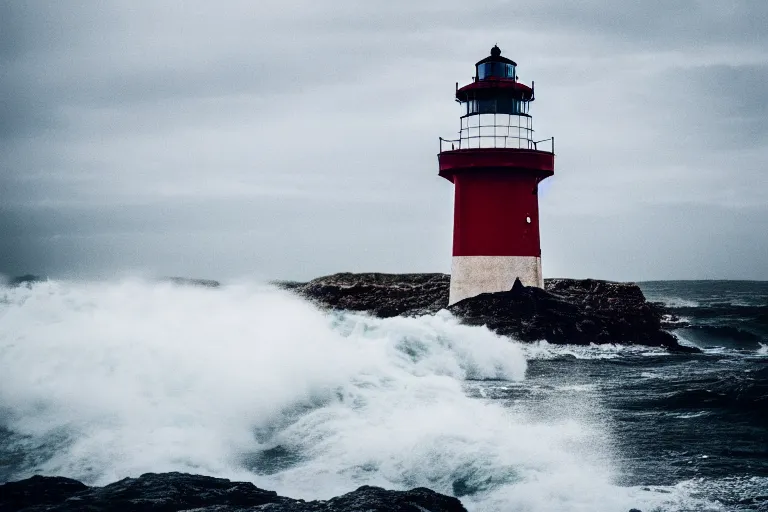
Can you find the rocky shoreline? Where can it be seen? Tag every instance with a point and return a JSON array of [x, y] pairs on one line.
[[566, 311], [177, 492], [171, 492]]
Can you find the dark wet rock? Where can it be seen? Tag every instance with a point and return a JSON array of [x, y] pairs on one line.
[[382, 295], [38, 490], [376, 499], [169, 492], [567, 311], [158, 492], [570, 311]]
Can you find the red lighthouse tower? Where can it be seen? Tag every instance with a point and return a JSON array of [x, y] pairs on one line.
[[495, 166]]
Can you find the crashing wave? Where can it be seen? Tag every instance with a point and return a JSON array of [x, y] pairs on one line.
[[99, 381]]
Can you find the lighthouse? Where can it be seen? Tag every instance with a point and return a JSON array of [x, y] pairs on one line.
[[495, 166]]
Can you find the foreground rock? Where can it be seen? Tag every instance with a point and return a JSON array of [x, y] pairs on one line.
[[567, 311], [38, 490], [169, 492]]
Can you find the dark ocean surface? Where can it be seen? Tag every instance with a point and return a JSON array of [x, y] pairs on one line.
[[99, 381]]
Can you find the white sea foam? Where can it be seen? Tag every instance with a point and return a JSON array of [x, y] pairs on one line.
[[692, 415], [107, 380], [675, 302], [545, 350]]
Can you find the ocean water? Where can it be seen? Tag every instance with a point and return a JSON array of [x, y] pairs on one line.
[[103, 380]]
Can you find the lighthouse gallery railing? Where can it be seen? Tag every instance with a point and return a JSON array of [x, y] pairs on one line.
[[497, 131]]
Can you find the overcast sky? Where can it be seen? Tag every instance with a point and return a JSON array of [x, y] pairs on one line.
[[291, 139]]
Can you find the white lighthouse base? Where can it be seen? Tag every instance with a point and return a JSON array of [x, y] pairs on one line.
[[473, 275]]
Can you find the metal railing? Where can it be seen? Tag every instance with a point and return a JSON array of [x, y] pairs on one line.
[[497, 131], [492, 142]]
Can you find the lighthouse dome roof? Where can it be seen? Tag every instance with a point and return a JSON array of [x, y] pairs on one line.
[[496, 57]]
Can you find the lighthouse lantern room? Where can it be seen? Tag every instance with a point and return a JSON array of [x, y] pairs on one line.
[[495, 165]]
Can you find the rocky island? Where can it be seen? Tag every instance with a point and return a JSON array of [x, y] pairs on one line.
[[566, 311]]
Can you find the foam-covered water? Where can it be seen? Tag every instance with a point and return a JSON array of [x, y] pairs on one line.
[[99, 381], [544, 350]]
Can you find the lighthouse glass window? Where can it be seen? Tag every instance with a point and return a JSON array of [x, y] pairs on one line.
[[495, 69], [495, 106]]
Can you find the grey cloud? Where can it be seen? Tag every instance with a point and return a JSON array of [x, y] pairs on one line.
[[145, 136], [737, 94]]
